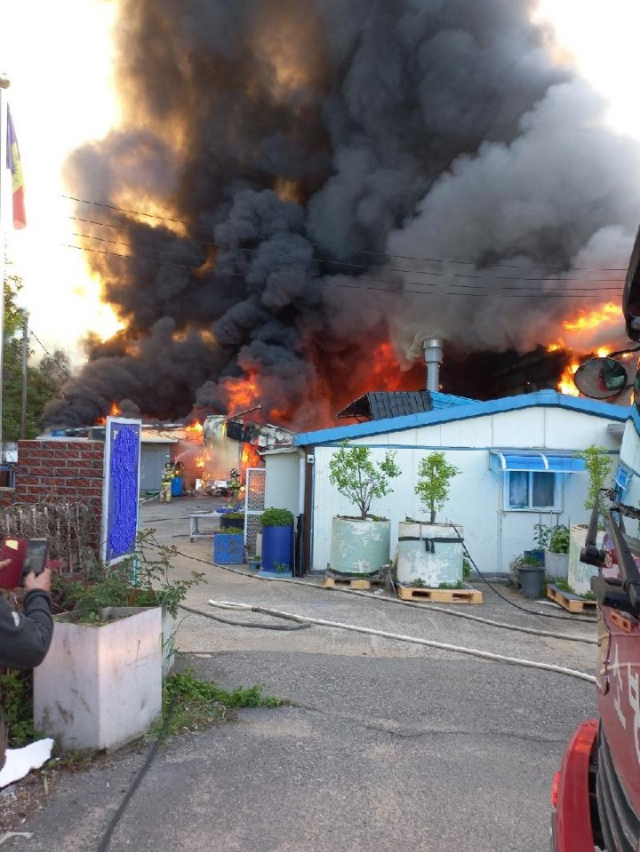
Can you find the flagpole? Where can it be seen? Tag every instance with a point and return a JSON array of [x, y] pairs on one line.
[[4, 84]]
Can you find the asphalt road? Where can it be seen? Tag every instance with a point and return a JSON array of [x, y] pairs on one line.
[[389, 745]]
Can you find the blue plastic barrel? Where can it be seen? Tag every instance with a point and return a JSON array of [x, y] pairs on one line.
[[277, 549], [176, 486]]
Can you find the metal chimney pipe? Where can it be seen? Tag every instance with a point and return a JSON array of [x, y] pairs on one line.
[[433, 359]]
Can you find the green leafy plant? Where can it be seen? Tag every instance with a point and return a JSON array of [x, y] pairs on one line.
[[542, 534], [559, 539], [195, 703], [466, 567], [234, 516], [146, 579], [598, 463], [418, 583], [434, 481], [276, 518], [457, 585], [564, 585], [16, 697], [281, 567], [359, 479]]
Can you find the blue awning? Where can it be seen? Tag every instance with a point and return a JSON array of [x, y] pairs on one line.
[[535, 460]]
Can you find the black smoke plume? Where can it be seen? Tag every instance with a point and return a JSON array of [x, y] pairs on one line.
[[313, 168]]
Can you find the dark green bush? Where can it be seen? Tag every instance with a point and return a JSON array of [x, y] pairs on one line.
[[276, 518]]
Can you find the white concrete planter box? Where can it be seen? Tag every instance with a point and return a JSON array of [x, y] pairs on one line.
[[431, 553], [556, 565], [359, 546], [100, 687], [579, 575]]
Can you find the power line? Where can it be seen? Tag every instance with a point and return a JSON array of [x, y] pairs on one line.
[[60, 369], [319, 245], [397, 288], [476, 276]]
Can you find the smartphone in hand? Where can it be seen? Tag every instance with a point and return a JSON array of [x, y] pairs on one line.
[[22, 555]]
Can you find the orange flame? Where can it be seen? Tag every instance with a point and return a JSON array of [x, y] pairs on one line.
[[241, 393], [113, 412], [250, 457], [385, 374], [566, 384], [593, 319], [195, 428]]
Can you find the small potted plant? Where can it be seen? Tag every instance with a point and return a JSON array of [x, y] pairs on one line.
[[277, 542], [232, 521], [360, 545], [598, 464], [556, 557], [428, 550], [542, 533]]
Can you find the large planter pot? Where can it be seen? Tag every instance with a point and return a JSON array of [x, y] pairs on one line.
[[359, 547], [100, 687], [431, 553], [531, 579], [277, 550], [579, 575], [556, 565]]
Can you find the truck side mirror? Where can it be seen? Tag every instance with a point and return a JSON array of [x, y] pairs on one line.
[[601, 378]]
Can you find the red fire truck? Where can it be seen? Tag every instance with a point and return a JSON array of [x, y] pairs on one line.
[[596, 793]]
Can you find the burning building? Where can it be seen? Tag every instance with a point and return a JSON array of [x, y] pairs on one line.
[[301, 192]]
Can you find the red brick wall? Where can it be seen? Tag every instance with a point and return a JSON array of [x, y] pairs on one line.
[[63, 468]]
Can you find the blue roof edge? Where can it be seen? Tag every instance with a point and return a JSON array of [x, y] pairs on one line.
[[540, 399]]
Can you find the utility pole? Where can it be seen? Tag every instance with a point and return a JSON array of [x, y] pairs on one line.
[[4, 84], [25, 361]]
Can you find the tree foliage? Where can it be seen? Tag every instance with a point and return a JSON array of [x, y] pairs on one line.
[[44, 380], [359, 479], [598, 463], [434, 480]]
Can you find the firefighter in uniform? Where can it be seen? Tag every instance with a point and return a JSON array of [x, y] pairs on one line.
[[165, 484]]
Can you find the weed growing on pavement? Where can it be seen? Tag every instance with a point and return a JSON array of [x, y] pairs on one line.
[[196, 703], [16, 695]]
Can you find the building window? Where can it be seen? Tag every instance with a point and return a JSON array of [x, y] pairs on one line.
[[531, 491]]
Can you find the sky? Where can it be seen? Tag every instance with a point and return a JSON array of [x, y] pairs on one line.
[[61, 96]]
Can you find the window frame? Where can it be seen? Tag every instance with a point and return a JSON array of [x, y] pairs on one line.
[[557, 491]]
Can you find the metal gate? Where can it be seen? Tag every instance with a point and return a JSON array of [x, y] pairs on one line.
[[253, 505]]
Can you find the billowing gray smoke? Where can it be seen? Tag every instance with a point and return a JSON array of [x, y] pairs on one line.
[[287, 149]]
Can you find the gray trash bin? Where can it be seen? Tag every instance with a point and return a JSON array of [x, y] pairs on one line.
[[531, 580]]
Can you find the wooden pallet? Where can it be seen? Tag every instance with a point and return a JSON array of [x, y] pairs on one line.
[[468, 595], [572, 603], [332, 581]]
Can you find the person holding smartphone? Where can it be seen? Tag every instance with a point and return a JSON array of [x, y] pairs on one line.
[[25, 636]]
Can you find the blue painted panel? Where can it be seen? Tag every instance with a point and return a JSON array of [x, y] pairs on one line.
[[122, 488]]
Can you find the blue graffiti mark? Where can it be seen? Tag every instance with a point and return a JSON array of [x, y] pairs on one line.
[[124, 483]]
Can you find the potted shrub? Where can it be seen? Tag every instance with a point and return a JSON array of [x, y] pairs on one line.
[[277, 541], [427, 550], [232, 521], [360, 545], [100, 685], [542, 533], [598, 464], [556, 557]]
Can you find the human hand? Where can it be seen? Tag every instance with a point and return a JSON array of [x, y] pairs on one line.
[[38, 581]]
